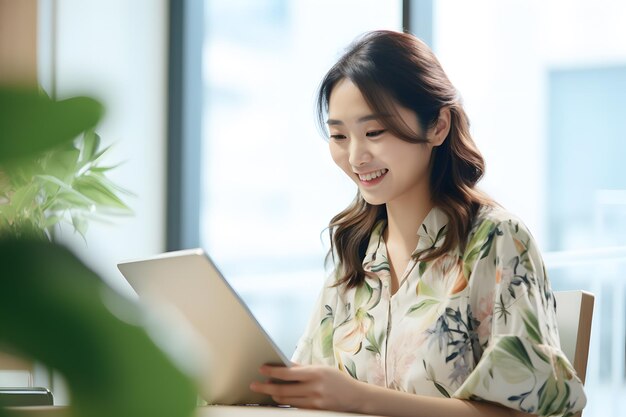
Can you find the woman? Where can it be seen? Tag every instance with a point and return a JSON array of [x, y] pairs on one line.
[[439, 303]]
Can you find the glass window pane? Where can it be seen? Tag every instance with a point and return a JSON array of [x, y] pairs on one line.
[[544, 85], [270, 186]]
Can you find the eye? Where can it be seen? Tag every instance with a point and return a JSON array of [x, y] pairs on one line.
[[337, 136], [375, 133]]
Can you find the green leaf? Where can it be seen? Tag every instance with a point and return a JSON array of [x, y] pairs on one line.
[[422, 267], [73, 200], [469, 259], [532, 326], [553, 397], [541, 355], [111, 363], [98, 192], [479, 242], [49, 189], [103, 169], [52, 221], [363, 294], [99, 155], [23, 198], [54, 180], [67, 194], [63, 164], [471, 256], [30, 122], [383, 266], [484, 231], [80, 224], [441, 389], [351, 368], [91, 143], [425, 304], [327, 331], [107, 182], [514, 347]]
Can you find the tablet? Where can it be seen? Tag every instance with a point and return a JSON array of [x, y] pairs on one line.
[[191, 283]]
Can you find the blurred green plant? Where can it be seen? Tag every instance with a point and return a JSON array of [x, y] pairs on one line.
[[64, 183], [53, 309]]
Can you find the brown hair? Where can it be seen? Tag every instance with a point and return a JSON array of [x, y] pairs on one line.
[[392, 67]]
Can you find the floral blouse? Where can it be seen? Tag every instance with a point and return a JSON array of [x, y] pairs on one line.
[[475, 325]]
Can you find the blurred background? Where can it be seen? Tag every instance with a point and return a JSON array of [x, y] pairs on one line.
[[210, 109]]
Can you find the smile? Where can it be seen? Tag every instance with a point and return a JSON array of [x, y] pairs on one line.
[[373, 175]]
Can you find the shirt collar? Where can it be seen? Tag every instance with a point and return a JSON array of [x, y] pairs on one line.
[[431, 232]]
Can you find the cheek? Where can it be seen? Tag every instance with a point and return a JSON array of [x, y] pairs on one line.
[[414, 154], [339, 155]]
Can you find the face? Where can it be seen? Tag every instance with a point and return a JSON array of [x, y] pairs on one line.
[[385, 168]]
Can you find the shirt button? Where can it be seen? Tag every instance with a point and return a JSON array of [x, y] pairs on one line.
[[386, 284]]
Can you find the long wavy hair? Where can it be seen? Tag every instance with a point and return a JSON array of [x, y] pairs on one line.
[[397, 68]]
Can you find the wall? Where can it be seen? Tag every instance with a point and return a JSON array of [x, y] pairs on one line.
[[18, 47]]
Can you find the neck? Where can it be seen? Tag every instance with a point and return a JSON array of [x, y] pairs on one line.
[[404, 218]]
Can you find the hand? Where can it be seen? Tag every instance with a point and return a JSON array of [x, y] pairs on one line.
[[311, 386]]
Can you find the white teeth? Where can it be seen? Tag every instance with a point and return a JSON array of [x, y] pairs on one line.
[[373, 175]]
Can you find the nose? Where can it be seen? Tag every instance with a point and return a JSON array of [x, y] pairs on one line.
[[359, 152]]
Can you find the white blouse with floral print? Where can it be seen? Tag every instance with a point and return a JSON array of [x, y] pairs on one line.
[[475, 325]]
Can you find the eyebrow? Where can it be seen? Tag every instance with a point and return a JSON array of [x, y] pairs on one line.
[[332, 122]]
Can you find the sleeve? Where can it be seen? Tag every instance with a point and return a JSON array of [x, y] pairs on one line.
[[315, 346], [522, 365]]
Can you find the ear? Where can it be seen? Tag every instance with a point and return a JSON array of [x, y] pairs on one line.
[[440, 131]]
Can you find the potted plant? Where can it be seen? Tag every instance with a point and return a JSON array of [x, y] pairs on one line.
[[66, 182], [53, 309]]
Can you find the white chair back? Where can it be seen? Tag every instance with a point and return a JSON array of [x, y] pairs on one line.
[[574, 314], [574, 311]]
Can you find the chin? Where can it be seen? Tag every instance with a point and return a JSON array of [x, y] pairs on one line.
[[372, 200]]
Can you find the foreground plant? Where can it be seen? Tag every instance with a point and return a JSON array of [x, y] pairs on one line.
[[53, 309], [65, 183]]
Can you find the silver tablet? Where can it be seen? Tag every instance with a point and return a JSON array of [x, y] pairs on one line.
[[191, 283]]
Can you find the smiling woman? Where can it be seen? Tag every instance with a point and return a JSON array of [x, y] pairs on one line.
[[369, 154], [439, 303]]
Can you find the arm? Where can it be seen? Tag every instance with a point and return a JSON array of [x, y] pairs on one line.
[[323, 387]]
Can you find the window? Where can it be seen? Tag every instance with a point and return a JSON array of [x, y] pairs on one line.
[[270, 186], [544, 85]]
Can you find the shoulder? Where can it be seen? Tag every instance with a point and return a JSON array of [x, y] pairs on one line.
[[499, 222], [501, 240], [495, 214], [502, 258], [496, 235]]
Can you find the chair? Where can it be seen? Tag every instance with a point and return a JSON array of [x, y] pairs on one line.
[[574, 311]]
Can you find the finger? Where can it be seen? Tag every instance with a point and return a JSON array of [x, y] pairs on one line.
[[294, 373], [284, 390]]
